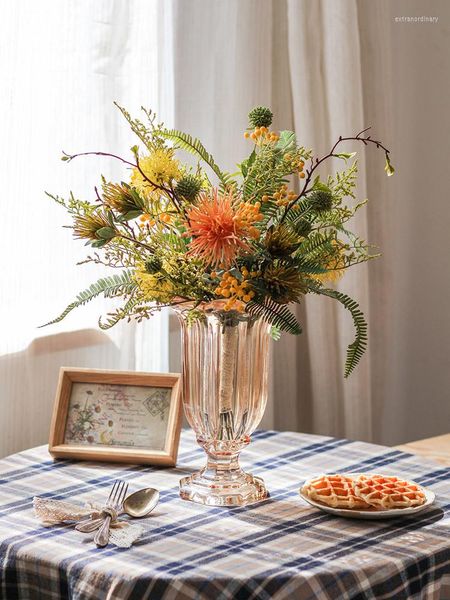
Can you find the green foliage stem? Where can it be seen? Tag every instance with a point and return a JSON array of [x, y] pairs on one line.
[[112, 286]]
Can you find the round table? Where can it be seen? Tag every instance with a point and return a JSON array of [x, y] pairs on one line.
[[281, 548]]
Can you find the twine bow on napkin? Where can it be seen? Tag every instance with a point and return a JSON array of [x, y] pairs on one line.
[[51, 512]]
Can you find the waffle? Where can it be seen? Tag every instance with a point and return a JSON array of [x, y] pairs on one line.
[[334, 490], [385, 492]]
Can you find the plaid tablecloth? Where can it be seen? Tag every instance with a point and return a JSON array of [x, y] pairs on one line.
[[281, 548]]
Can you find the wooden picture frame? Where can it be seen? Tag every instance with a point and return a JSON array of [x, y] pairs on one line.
[[104, 415]]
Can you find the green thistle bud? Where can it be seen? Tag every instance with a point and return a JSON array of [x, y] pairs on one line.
[[88, 225], [123, 198], [153, 265], [321, 200], [188, 187], [283, 284], [260, 116], [281, 241]]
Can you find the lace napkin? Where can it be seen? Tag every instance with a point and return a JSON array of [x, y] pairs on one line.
[[50, 512]]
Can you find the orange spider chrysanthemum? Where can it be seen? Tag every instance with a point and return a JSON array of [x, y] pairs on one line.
[[221, 227]]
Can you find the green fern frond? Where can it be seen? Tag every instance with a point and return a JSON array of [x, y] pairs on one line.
[[194, 146], [310, 267], [270, 212], [344, 182], [275, 333], [357, 348], [315, 244], [302, 208], [277, 315], [110, 287], [119, 314]]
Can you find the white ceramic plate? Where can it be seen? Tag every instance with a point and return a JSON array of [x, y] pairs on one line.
[[371, 514]]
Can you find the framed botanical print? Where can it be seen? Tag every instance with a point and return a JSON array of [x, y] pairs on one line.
[[116, 416]]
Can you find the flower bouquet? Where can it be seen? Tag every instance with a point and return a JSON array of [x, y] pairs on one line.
[[230, 253]]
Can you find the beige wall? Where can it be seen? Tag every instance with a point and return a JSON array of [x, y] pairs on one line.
[[28, 382]]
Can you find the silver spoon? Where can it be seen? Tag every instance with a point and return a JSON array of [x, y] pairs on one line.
[[138, 504], [141, 503]]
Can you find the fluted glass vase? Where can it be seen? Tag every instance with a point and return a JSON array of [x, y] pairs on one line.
[[225, 374]]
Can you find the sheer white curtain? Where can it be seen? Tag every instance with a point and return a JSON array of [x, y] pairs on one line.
[[62, 64]]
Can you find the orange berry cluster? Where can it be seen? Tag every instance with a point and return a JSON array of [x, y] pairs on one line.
[[295, 163], [234, 290], [146, 219], [163, 217], [282, 197], [246, 215], [262, 135]]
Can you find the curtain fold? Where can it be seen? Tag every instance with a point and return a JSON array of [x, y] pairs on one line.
[[323, 54], [298, 58]]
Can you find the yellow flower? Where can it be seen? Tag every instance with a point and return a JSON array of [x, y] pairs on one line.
[[155, 287], [330, 276], [335, 264], [159, 168]]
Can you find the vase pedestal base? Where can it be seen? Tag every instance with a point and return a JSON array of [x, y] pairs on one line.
[[223, 489]]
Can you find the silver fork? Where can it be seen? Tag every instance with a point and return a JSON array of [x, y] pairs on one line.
[[115, 501], [92, 523]]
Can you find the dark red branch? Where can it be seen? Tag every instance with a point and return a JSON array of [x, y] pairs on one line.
[[316, 162], [131, 164]]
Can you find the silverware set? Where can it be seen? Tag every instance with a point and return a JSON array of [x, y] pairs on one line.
[[136, 505]]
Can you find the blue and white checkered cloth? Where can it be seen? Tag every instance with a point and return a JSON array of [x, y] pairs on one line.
[[280, 548]]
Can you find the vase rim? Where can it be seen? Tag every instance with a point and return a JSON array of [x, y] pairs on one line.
[[209, 306]]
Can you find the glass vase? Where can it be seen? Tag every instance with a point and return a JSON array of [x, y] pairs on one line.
[[225, 375]]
